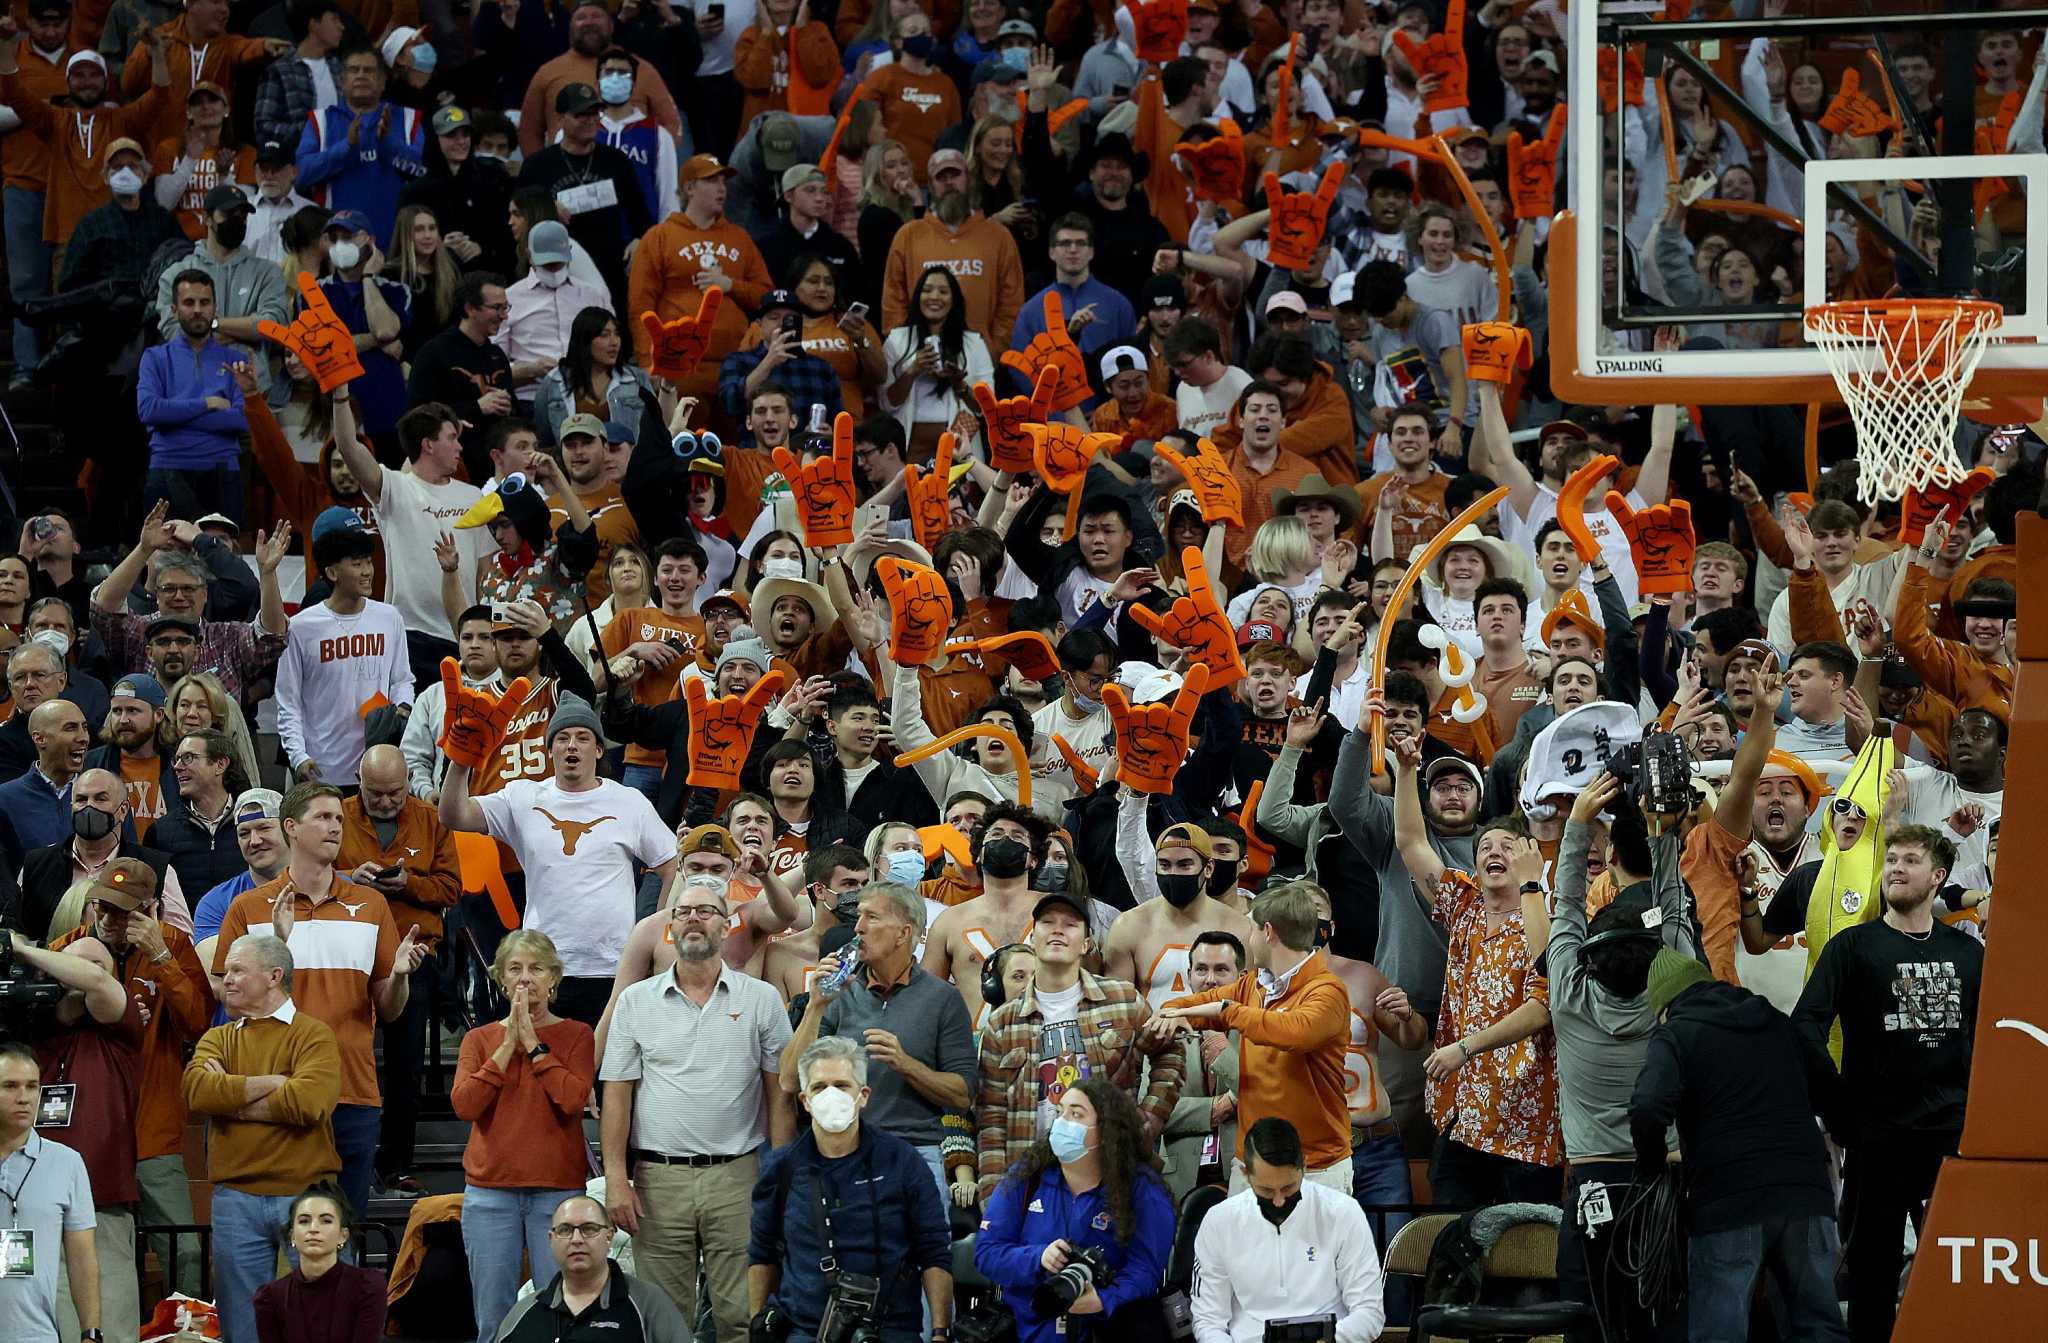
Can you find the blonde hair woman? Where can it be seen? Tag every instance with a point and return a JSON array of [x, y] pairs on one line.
[[889, 197], [522, 1084], [197, 702], [1282, 555]]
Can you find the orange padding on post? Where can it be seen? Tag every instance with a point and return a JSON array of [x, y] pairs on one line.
[[476, 857]]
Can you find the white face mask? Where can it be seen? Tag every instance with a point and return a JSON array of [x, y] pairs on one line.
[[781, 566], [834, 1110], [345, 255], [124, 181], [551, 278], [57, 641]]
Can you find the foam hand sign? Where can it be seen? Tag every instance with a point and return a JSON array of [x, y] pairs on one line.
[[1161, 26], [1571, 505], [1442, 57], [1197, 624], [674, 349], [1054, 348], [1494, 350], [920, 610], [823, 489], [1216, 166], [1152, 739], [1009, 447], [992, 761], [1062, 452], [1258, 854], [931, 516], [1085, 777], [1283, 95], [473, 721], [1924, 505], [1209, 476], [318, 337], [1296, 223], [722, 730], [1631, 78], [1027, 650], [1662, 541], [1532, 169], [1854, 112]]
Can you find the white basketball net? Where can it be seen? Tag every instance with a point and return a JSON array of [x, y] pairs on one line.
[[1902, 367]]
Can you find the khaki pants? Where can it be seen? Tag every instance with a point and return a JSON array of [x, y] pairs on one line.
[[688, 1213], [167, 1201], [120, 1290]]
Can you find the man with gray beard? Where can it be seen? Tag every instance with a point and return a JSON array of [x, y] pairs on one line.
[[979, 252]]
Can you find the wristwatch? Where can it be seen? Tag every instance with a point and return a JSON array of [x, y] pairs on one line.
[[538, 1050], [1532, 888], [91, 1336]]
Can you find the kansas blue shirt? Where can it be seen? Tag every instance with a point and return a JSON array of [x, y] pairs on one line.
[[887, 1222], [1019, 1223]]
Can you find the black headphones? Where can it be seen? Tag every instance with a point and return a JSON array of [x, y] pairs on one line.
[[992, 975]]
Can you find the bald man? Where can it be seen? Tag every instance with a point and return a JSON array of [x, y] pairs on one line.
[[395, 844], [37, 805], [90, 1056]]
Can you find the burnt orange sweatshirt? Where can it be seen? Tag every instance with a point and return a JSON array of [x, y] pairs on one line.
[[422, 846], [527, 1118], [664, 282]]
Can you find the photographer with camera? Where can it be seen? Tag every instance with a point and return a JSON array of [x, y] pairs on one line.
[[842, 1216], [1083, 1225]]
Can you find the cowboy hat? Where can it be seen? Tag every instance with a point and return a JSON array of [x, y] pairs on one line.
[[1501, 562], [769, 590], [864, 557], [1340, 497]]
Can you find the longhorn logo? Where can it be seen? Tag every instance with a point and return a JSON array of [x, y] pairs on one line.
[[572, 832]]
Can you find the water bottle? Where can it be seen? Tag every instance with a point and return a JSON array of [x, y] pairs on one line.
[[849, 962]]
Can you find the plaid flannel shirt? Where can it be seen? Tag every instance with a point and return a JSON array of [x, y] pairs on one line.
[[808, 379], [240, 654], [1006, 1111], [286, 97]]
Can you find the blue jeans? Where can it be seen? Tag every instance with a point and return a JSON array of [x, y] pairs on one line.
[[497, 1224], [355, 1141], [28, 266], [1800, 1255], [248, 1231], [1379, 1176], [645, 779]]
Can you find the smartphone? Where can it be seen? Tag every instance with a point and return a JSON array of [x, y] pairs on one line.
[[818, 425], [716, 11], [856, 312], [867, 515], [793, 326], [388, 873]]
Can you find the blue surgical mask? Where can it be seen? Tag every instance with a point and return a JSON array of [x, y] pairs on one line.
[[615, 88], [1086, 703], [1017, 58], [425, 58], [1068, 1140], [906, 867]]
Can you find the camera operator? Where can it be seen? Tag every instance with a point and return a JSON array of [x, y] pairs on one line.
[[1082, 1226], [1319, 1259], [591, 1292], [842, 1216]]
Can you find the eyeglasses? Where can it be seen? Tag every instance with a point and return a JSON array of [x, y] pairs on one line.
[[187, 758], [581, 1231], [179, 589], [707, 913]]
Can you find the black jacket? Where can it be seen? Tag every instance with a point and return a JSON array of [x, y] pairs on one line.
[[202, 858], [1727, 1066], [888, 793]]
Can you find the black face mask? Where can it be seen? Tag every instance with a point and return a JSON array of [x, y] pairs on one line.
[[90, 823], [1180, 888], [232, 230], [1051, 877], [1278, 1214], [1325, 930], [1002, 857], [1224, 877]]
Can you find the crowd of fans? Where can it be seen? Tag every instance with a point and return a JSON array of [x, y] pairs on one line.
[[680, 538]]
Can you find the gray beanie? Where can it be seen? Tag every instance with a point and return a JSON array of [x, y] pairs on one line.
[[744, 646], [574, 711]]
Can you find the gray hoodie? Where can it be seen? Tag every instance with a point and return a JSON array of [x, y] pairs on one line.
[[244, 285], [1602, 1037]]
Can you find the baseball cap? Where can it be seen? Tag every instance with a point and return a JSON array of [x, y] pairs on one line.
[[798, 174], [125, 883], [710, 839], [352, 221], [994, 69], [1755, 650], [1123, 359], [218, 520], [274, 154], [259, 804], [1187, 835], [776, 298], [139, 686], [944, 158], [1344, 289], [1472, 133], [336, 519], [1059, 900], [586, 424], [78, 57], [1165, 291], [732, 599], [207, 87], [1570, 428], [615, 432], [1016, 28], [451, 119], [1287, 301], [782, 142], [124, 145], [573, 98], [159, 624], [48, 9], [1445, 763], [225, 197], [704, 166], [1542, 58], [548, 243], [1258, 632]]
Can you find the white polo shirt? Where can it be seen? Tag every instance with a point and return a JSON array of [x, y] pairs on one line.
[[699, 1068]]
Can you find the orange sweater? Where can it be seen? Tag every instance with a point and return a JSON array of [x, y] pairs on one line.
[[26, 160], [1291, 1055], [295, 1147], [916, 109], [786, 72], [1318, 429], [983, 258], [423, 846], [526, 1119], [664, 282], [180, 1003], [216, 61], [76, 145], [1950, 667]]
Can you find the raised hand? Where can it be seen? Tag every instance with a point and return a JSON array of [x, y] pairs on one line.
[[319, 338], [1208, 474], [1161, 25], [920, 610], [1532, 169], [1216, 166], [1305, 724], [1442, 57], [1061, 452], [1009, 447], [1197, 623], [1494, 350], [676, 348], [722, 730], [1924, 505], [1854, 112], [931, 515], [1054, 347], [823, 489], [473, 721], [1631, 78], [1297, 218], [273, 546], [1152, 739], [1661, 539], [1571, 505]]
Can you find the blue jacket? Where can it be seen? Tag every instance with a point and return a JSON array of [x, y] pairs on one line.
[[368, 176], [887, 1222], [1018, 1224], [41, 816], [171, 388]]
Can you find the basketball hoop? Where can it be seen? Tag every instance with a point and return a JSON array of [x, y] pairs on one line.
[[1902, 366]]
